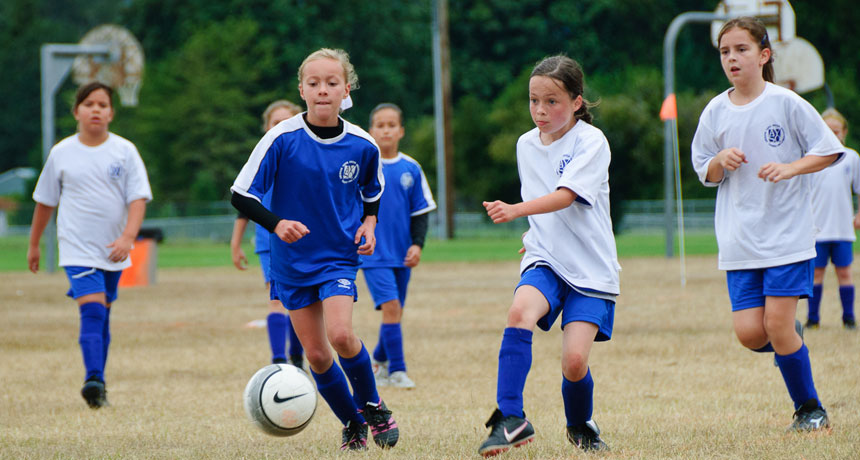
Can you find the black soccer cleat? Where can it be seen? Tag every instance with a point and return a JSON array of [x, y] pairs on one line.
[[506, 432], [382, 424], [94, 394], [812, 325], [586, 437], [849, 324], [810, 417], [354, 436]]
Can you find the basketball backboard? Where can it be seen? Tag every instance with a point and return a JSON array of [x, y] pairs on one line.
[[777, 15], [123, 73], [797, 65]]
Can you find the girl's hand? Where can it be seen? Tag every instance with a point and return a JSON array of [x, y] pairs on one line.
[[731, 158], [413, 256], [776, 172], [290, 231], [239, 259], [500, 211], [367, 230], [33, 255], [857, 221], [121, 247]]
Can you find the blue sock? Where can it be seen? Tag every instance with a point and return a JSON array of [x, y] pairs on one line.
[[379, 353], [765, 349], [814, 304], [360, 374], [296, 348], [332, 386], [578, 399], [90, 339], [106, 338], [846, 295], [392, 337], [277, 326], [797, 373], [515, 360]]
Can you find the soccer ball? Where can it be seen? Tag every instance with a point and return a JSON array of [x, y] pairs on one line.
[[280, 399]]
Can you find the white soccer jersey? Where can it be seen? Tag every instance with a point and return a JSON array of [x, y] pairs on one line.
[[832, 203], [577, 242], [92, 187], [762, 224]]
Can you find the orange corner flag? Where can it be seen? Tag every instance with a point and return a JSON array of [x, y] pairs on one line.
[[669, 111]]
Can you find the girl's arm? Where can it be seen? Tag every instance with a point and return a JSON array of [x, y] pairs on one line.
[[236, 252], [122, 245], [500, 211], [41, 216], [776, 172]]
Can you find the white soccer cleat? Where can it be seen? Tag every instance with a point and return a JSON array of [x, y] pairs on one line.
[[399, 379], [380, 368]]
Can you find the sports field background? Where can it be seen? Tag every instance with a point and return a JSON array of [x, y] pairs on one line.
[[673, 382]]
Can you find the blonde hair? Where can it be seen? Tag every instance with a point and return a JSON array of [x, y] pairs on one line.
[[338, 55], [835, 115], [281, 103]]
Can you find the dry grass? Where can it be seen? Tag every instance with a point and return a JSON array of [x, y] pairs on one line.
[[673, 382]]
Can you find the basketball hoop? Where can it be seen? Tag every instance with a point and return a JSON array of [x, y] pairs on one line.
[[122, 72], [777, 16], [798, 66]]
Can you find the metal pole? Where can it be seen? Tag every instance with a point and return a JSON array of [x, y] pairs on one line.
[[56, 61], [671, 126]]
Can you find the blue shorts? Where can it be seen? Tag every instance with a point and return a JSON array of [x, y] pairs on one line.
[[840, 252], [386, 284], [298, 297], [266, 265], [566, 301], [748, 288], [88, 280]]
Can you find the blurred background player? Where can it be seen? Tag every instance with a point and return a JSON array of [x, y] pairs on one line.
[[99, 182], [278, 322], [570, 267], [833, 208], [325, 177], [403, 219], [752, 140]]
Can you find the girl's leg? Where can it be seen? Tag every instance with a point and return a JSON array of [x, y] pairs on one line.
[[846, 295], [391, 335], [276, 326], [813, 316], [577, 387], [749, 328], [792, 356], [353, 356], [93, 312]]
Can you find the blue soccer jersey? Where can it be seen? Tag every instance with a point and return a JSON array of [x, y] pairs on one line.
[[320, 183], [407, 195]]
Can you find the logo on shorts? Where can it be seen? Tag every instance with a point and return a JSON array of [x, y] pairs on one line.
[[774, 135], [348, 172], [344, 283], [115, 170], [561, 164], [406, 180]]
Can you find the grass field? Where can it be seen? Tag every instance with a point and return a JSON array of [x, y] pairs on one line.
[[673, 383]]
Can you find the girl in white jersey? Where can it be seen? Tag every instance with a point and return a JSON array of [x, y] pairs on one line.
[[833, 208], [98, 181], [570, 267], [751, 142]]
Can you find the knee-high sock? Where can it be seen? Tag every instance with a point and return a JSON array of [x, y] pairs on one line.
[[360, 374], [515, 360], [815, 304], [379, 353], [276, 324], [90, 339], [846, 295], [392, 337], [296, 348], [332, 386], [797, 373], [106, 338], [578, 399], [768, 348]]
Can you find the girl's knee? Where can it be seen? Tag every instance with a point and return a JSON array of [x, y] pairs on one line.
[[319, 358], [574, 366], [519, 315], [343, 341], [752, 338]]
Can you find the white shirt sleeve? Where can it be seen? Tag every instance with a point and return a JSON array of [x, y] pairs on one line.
[[586, 171], [137, 183], [47, 191], [703, 151]]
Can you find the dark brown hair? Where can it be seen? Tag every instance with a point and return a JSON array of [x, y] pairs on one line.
[[758, 32], [85, 90], [569, 73]]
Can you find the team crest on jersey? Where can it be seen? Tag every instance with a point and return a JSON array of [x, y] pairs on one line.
[[348, 172], [774, 135], [561, 164], [115, 170], [344, 283], [406, 180]]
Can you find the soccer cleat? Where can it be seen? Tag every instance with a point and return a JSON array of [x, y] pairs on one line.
[[399, 379], [94, 394], [354, 436], [279, 361], [382, 424], [586, 436], [810, 417], [380, 371], [298, 361], [799, 328], [811, 325], [849, 324], [506, 432]]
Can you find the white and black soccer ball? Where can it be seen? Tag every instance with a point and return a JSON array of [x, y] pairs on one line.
[[280, 399]]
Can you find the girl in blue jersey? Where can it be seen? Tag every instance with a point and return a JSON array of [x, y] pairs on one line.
[[751, 142], [326, 180], [570, 267], [278, 323], [98, 182], [403, 226]]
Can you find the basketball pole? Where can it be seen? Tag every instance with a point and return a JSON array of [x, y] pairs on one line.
[[56, 61]]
